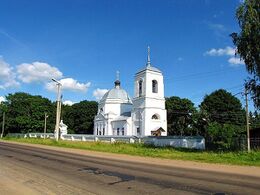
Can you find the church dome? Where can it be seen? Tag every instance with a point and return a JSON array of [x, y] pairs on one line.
[[116, 95]]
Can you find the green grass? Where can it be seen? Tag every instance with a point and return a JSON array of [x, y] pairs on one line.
[[235, 158]]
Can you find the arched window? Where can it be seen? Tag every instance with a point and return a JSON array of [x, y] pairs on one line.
[[155, 86], [140, 83], [156, 117]]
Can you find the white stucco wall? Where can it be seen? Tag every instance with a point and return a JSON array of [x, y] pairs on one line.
[[149, 103]]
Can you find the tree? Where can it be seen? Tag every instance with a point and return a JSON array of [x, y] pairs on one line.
[[248, 44], [254, 119], [179, 116], [65, 116], [200, 121], [225, 120], [80, 117], [26, 113], [222, 107], [224, 136]]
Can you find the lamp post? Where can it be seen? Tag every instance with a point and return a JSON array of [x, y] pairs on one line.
[[45, 123], [56, 132]]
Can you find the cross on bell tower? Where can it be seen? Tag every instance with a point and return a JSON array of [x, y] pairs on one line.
[[148, 64], [117, 82]]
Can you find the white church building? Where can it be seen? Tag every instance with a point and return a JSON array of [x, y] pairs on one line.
[[119, 115]]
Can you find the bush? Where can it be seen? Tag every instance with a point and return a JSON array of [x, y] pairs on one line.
[[224, 136]]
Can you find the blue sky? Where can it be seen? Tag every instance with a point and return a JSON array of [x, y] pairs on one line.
[[84, 42]]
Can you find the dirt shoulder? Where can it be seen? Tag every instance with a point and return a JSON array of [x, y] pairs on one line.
[[232, 169]]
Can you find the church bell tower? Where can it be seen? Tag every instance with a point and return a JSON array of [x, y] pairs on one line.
[[149, 112]]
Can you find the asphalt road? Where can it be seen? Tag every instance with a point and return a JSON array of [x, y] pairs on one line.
[[31, 170]]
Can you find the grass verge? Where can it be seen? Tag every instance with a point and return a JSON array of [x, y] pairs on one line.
[[234, 158]]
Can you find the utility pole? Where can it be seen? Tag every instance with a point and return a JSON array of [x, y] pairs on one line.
[[3, 125], [45, 124], [56, 133], [247, 121]]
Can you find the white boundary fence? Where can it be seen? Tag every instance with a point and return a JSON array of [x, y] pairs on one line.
[[193, 142], [31, 135], [94, 138], [81, 137]]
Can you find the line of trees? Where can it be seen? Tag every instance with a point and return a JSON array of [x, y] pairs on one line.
[[26, 113], [220, 117]]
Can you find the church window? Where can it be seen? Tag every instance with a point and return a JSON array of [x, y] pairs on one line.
[[155, 117], [140, 87], [138, 131], [155, 86], [117, 131], [103, 131]]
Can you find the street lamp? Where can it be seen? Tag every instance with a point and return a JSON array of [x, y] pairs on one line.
[[56, 132]]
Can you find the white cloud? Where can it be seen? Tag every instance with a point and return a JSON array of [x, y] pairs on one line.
[[69, 84], [7, 76], [37, 72], [2, 99], [98, 93], [228, 51], [233, 61], [68, 102]]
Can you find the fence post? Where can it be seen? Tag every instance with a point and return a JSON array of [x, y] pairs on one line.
[[131, 140], [112, 140]]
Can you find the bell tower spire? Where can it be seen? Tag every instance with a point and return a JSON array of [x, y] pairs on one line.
[[148, 64]]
